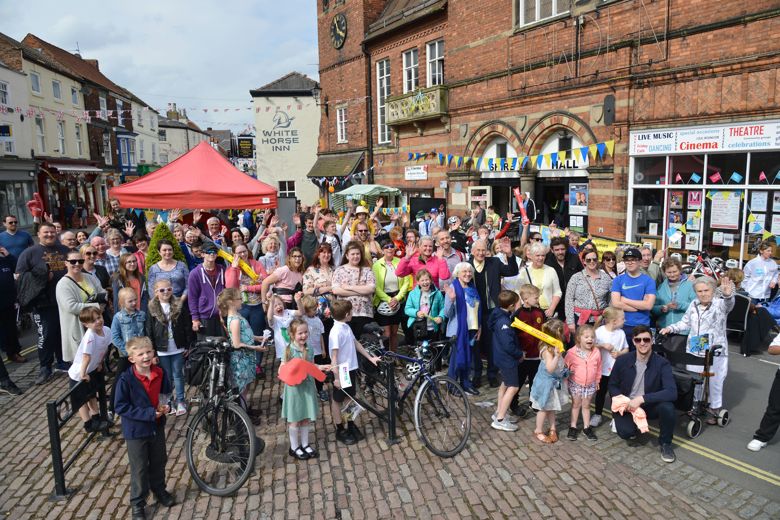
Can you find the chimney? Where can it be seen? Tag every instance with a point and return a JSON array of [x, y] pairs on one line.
[[94, 63], [172, 113]]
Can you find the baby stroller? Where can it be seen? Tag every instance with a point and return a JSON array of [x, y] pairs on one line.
[[674, 348]]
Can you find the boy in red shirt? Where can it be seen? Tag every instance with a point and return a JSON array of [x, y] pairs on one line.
[[530, 314], [141, 393]]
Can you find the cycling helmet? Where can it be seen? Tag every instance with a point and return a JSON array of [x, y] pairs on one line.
[[452, 220], [732, 263], [385, 310]]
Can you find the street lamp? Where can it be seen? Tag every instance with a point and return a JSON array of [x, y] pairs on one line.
[[316, 93]]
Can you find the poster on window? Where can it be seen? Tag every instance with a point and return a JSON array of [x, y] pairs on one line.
[[776, 224], [676, 219], [724, 213], [776, 201], [758, 200], [676, 199], [692, 241], [675, 241], [758, 225], [693, 222], [694, 200], [578, 199]]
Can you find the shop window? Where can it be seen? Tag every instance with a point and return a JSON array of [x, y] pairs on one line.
[[686, 169], [723, 227], [684, 212], [648, 215], [764, 168], [650, 170], [726, 168]]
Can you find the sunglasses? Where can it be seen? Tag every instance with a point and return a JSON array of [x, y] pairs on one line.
[[296, 256], [76, 262], [90, 253], [362, 231], [165, 289], [591, 260], [643, 340], [389, 246], [12, 222], [536, 239], [610, 259]]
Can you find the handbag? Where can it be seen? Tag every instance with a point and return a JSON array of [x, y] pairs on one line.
[[600, 317]]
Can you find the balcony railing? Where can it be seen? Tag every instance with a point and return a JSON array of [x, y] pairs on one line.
[[419, 105]]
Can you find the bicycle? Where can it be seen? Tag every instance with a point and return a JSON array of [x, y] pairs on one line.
[[701, 264], [221, 444], [442, 414]]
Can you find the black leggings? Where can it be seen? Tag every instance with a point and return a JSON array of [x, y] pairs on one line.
[[601, 394], [526, 371]]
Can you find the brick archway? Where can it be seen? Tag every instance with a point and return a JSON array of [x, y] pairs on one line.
[[555, 121], [484, 135]]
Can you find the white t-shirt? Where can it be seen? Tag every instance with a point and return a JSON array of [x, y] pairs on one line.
[[316, 330], [342, 339], [616, 338], [172, 348], [281, 323], [94, 345], [759, 273]]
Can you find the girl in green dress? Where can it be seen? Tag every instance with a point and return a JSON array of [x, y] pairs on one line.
[[300, 405]]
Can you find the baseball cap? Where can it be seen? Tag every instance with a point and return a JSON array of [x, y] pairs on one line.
[[420, 214], [210, 248], [632, 252], [361, 209], [434, 210]]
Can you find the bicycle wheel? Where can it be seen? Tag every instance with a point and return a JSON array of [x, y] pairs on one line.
[[442, 416], [220, 448]]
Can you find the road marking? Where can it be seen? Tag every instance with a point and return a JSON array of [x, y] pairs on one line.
[[719, 457], [24, 352]]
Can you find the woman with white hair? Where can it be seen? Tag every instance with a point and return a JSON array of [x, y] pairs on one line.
[[464, 312], [274, 253], [543, 277], [705, 324]]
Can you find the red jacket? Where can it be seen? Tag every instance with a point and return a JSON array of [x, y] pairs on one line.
[[534, 317]]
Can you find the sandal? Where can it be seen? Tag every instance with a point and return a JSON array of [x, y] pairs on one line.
[[553, 436], [541, 437]]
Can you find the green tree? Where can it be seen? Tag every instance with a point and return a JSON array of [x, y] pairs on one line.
[[153, 254]]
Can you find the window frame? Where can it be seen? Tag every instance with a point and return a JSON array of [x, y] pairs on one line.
[[61, 137], [120, 107], [383, 92], [40, 134], [341, 125], [437, 61], [9, 143], [103, 102], [163, 158], [141, 151], [5, 92], [131, 152], [286, 191], [520, 12], [411, 77], [37, 77], [79, 140], [154, 152], [162, 135], [107, 148], [58, 84]]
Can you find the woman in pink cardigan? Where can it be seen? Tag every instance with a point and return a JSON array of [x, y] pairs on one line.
[[422, 258], [251, 308]]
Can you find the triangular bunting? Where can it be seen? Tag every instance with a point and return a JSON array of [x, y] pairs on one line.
[[553, 159], [584, 153], [594, 150], [601, 147], [610, 147]]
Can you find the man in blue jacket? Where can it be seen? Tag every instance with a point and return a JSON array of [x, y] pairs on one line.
[[645, 378]]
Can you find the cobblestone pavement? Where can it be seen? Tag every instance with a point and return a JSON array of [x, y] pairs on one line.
[[498, 475]]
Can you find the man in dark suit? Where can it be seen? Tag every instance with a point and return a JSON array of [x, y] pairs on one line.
[[646, 378], [488, 271]]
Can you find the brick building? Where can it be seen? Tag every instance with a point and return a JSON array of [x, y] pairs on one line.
[[686, 90]]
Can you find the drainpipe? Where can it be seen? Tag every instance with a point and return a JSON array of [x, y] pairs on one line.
[[369, 116]]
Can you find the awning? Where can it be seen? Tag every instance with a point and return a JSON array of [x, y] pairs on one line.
[[75, 168], [337, 165], [365, 192]]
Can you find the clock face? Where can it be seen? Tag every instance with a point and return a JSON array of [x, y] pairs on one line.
[[338, 30]]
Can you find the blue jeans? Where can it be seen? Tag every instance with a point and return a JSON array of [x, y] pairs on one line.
[[256, 317], [174, 367]]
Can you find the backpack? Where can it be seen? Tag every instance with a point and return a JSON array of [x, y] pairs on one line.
[[196, 364]]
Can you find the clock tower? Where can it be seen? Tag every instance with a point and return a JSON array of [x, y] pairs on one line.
[[345, 79]]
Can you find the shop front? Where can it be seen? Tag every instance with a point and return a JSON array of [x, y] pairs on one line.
[[17, 184], [705, 188], [67, 188]]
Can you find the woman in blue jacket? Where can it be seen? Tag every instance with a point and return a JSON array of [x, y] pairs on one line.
[[425, 302], [674, 296]]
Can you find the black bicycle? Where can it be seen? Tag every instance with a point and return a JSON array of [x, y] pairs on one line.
[[442, 415], [221, 443]]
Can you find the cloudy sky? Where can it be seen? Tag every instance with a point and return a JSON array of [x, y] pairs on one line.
[[198, 53]]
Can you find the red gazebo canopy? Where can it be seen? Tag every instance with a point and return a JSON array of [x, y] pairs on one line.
[[201, 178]]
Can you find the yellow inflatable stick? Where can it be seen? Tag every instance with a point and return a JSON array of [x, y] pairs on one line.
[[243, 265], [538, 334]]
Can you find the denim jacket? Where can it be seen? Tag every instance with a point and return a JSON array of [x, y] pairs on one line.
[[126, 326], [545, 382]]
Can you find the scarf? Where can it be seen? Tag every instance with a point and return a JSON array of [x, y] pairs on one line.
[[463, 350]]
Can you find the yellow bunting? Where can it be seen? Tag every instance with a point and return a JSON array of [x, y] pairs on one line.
[[562, 155], [751, 218], [683, 229], [150, 215], [767, 235], [610, 147], [698, 213]]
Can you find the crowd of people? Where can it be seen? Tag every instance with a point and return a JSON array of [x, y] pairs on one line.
[[309, 292]]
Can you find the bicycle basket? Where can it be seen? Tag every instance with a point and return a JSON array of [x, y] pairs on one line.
[[197, 363]]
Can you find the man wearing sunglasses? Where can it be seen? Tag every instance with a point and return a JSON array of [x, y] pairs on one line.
[[646, 379], [13, 239]]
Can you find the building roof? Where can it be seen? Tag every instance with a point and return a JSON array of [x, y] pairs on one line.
[[336, 165], [87, 69], [223, 137], [293, 84], [35, 55], [398, 13], [164, 122]]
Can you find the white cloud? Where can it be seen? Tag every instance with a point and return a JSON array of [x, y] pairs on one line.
[[198, 54]]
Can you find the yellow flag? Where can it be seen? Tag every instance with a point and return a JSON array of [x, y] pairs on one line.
[[751, 218], [726, 194], [683, 230], [562, 155], [698, 213], [767, 235], [150, 215], [611, 147], [594, 151]]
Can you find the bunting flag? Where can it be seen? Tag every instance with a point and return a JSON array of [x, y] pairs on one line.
[[695, 177], [553, 158], [478, 162], [709, 194], [698, 213], [610, 147], [678, 178], [767, 235], [683, 229], [715, 177], [584, 153], [411, 155], [539, 161], [751, 218], [736, 177], [762, 177], [671, 232], [449, 159], [562, 155], [441, 159], [514, 163], [490, 164], [594, 150], [601, 147], [756, 228]]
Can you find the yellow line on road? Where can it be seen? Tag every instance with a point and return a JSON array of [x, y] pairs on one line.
[[719, 457]]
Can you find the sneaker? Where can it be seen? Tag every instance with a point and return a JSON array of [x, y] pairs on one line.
[[324, 397], [61, 366], [345, 436], [573, 433], [44, 375], [612, 426], [755, 445], [470, 390], [165, 498], [507, 417], [588, 432], [180, 410], [667, 453], [504, 425], [595, 421], [8, 387]]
